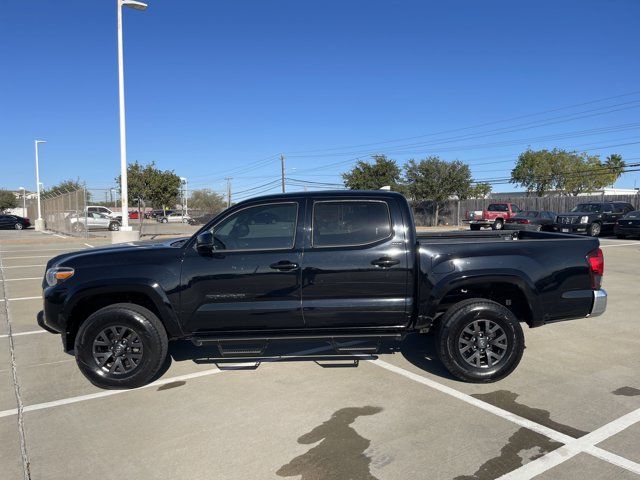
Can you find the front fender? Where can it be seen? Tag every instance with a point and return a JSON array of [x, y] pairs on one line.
[[148, 287]]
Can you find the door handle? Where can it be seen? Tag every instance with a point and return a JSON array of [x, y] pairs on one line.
[[284, 265], [385, 262]]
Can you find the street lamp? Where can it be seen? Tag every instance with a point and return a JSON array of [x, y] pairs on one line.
[[123, 139], [186, 195], [24, 201], [39, 220]]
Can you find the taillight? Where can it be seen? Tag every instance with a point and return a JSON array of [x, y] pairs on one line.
[[524, 221], [596, 265]]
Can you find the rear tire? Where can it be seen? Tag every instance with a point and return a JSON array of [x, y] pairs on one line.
[[620, 236], [497, 225], [480, 341], [18, 226], [475, 227], [128, 340]]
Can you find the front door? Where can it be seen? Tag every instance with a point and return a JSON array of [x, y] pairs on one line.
[[356, 265], [251, 280]]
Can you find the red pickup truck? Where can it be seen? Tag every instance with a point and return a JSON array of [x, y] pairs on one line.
[[494, 216]]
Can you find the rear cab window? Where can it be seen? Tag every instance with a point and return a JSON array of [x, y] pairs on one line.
[[498, 207], [343, 223]]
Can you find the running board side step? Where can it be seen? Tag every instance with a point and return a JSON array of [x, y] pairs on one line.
[[200, 341], [227, 343]]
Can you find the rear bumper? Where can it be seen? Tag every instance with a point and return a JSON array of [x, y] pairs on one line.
[[599, 303]]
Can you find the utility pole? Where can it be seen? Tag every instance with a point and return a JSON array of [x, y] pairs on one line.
[[282, 169], [228, 192]]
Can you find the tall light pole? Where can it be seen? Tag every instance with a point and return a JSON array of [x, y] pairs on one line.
[[123, 138], [186, 195], [39, 221]]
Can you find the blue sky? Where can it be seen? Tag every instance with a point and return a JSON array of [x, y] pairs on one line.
[[217, 89]]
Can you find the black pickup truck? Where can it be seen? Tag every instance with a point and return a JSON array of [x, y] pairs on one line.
[[336, 266]]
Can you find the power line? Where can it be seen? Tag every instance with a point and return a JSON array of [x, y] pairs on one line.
[[495, 122]]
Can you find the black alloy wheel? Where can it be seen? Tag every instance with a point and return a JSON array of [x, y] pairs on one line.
[[121, 346], [480, 340]]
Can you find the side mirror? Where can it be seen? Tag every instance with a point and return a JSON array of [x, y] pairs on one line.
[[204, 242]]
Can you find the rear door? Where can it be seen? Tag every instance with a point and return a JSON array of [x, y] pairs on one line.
[[355, 268]]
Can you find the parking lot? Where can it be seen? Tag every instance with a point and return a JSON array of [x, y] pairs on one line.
[[570, 411]]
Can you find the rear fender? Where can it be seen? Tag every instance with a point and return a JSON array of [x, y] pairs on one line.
[[429, 307]]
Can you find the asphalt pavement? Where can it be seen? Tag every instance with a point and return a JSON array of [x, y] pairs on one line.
[[570, 411]]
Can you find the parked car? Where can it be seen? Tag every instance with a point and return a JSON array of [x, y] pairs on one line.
[[494, 216], [14, 221], [94, 221], [335, 266], [629, 225], [533, 220], [592, 218], [104, 210], [175, 217], [159, 213], [204, 218]]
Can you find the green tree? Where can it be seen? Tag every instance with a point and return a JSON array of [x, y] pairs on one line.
[[372, 176], [7, 200], [572, 173], [65, 186], [437, 180], [156, 187], [206, 200], [480, 190]]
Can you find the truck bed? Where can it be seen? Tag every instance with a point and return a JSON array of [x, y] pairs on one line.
[[493, 236]]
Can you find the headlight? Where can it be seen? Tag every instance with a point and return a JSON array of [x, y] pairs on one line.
[[56, 275], [584, 219]]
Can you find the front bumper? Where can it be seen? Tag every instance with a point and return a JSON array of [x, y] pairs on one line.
[[631, 231], [599, 303], [571, 228]]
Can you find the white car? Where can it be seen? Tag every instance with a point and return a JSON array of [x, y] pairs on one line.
[[103, 210], [175, 217], [94, 221]]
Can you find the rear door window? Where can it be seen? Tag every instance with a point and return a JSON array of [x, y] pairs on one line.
[[350, 223], [496, 207]]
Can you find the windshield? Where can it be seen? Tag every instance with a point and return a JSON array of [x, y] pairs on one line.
[[635, 215], [587, 207]]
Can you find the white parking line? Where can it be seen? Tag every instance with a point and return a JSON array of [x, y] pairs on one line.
[[90, 246], [19, 298], [579, 445], [23, 266], [28, 256], [43, 250], [637, 244], [30, 332], [107, 393], [20, 279], [584, 444]]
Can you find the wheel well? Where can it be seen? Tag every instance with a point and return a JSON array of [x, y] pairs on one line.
[[89, 305], [507, 294]]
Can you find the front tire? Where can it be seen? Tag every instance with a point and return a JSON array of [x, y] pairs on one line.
[[621, 236], [121, 346], [164, 220], [480, 341], [594, 229]]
